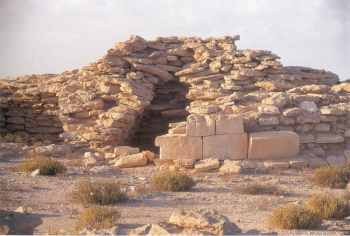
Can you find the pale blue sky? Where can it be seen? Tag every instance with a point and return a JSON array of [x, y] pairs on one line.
[[42, 36]]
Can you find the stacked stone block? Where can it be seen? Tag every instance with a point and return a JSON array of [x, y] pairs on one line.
[[222, 137], [30, 115]]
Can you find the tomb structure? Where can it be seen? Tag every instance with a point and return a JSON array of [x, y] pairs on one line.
[[142, 89]]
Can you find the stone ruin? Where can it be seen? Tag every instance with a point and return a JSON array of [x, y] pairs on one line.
[[222, 137], [143, 89]]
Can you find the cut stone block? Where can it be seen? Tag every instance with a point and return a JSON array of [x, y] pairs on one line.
[[274, 145], [179, 147], [226, 146], [229, 124], [200, 125]]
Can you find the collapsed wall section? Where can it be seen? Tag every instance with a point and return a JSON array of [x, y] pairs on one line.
[[29, 114]]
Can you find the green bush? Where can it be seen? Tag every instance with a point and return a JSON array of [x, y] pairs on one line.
[[172, 181]]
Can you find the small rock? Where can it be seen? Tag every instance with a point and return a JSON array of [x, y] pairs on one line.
[[298, 163], [268, 110], [101, 169], [207, 165], [230, 167], [110, 156], [277, 99], [151, 156], [276, 165], [292, 112], [23, 210], [267, 121], [308, 106], [203, 220], [35, 173], [89, 159], [125, 150], [135, 160], [142, 230]]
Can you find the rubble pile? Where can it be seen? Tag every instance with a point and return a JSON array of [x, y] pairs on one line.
[[120, 95]]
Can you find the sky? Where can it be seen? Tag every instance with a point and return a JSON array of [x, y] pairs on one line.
[[42, 36]]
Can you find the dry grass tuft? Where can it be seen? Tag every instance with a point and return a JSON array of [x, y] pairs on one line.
[[328, 207], [96, 218], [260, 189], [98, 192], [47, 166], [172, 181], [332, 177], [293, 217]]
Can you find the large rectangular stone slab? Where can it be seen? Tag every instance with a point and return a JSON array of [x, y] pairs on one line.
[[226, 146], [179, 147], [273, 145], [200, 125], [229, 124]]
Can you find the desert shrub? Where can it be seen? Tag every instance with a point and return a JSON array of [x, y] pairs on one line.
[[327, 206], [260, 189], [332, 177], [98, 192], [293, 217], [172, 181], [96, 218], [46, 166]]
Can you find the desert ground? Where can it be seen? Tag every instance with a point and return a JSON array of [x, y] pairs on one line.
[[51, 210]]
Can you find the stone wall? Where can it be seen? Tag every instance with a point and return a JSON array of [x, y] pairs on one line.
[[222, 137], [27, 114], [103, 103]]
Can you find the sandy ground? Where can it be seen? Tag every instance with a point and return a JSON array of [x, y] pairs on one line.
[[52, 210]]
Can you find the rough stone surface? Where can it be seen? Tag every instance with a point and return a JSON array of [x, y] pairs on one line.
[[231, 167], [273, 145], [208, 221], [101, 104], [336, 160], [207, 165], [227, 146], [134, 160], [125, 150], [198, 125], [229, 125]]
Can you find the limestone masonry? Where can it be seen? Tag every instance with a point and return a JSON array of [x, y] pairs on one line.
[[204, 98]]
